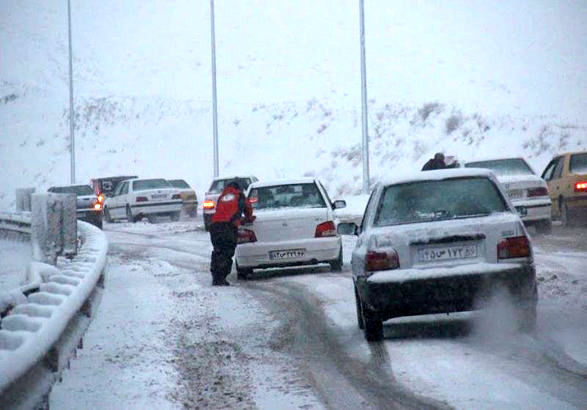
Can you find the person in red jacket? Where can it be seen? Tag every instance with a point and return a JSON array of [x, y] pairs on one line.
[[230, 207]]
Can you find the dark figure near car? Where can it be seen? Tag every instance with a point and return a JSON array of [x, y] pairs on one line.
[[435, 163], [230, 208]]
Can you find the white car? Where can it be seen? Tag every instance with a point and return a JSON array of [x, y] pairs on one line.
[[137, 198], [294, 225], [211, 196], [527, 191], [438, 242]]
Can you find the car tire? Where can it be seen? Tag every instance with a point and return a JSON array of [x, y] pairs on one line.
[[544, 227], [336, 265], [360, 321], [175, 216], [107, 215], [373, 329], [243, 273], [129, 215], [564, 210]]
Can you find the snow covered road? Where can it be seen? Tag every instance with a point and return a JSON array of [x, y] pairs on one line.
[[164, 338]]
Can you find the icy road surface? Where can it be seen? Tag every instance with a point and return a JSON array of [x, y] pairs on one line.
[[288, 339]]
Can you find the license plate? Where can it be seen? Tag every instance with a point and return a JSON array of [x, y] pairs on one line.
[[287, 254], [516, 193], [522, 210], [159, 196], [447, 253]]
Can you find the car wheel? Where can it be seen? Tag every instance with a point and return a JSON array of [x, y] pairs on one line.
[[129, 215], [107, 215], [336, 265], [360, 321], [544, 227], [564, 212], [373, 329], [243, 273], [175, 216]]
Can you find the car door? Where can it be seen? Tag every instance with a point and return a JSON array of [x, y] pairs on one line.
[[121, 197], [552, 175]]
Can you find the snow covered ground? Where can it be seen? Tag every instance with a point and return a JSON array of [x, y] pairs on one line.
[[288, 338]]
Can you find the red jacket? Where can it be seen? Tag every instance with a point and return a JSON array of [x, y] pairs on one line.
[[231, 205]]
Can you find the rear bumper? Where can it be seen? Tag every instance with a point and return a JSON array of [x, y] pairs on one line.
[[320, 250], [419, 291], [153, 209], [536, 210]]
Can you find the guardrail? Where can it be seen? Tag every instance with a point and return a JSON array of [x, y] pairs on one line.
[[44, 327]]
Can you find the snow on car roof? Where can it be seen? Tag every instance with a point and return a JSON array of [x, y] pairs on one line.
[[439, 175], [275, 182], [484, 159], [232, 177]]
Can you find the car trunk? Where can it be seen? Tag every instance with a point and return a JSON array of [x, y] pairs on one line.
[[287, 223], [85, 201], [157, 195], [517, 186]]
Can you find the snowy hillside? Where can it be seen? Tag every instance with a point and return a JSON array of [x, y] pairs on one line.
[[470, 78]]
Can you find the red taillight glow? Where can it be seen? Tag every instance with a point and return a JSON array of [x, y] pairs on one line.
[[142, 199], [540, 191], [246, 236], [581, 186], [517, 247], [381, 260], [253, 200], [208, 204], [325, 230], [101, 198], [97, 206]]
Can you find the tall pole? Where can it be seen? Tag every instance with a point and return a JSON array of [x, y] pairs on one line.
[[364, 103], [71, 112], [214, 104]]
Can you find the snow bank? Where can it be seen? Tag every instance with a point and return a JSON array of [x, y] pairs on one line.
[[32, 328]]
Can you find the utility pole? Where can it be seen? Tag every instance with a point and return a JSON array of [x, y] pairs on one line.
[[364, 116], [71, 109], [214, 96]]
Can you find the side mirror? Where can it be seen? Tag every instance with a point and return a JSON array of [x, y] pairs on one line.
[[339, 204], [347, 228]]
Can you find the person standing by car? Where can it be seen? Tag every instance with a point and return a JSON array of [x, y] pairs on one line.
[[230, 208], [435, 163]]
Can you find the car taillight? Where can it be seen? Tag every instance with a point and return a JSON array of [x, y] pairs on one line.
[[97, 206], [517, 247], [381, 260], [176, 196], [208, 204], [581, 186], [142, 199], [101, 198], [325, 229], [246, 236], [540, 191]]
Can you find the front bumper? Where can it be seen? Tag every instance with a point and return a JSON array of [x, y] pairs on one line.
[[319, 250], [443, 290]]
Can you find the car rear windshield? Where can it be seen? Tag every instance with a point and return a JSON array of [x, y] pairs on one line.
[[179, 183], [514, 166], [578, 163], [79, 190], [287, 196], [219, 184], [428, 201], [145, 184]]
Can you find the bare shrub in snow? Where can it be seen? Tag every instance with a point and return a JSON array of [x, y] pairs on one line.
[[453, 122], [427, 109]]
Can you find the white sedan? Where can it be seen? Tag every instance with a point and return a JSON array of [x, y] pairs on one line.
[[438, 242], [294, 225], [527, 191], [137, 198]]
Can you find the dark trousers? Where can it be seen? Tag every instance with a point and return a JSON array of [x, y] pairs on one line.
[[223, 236]]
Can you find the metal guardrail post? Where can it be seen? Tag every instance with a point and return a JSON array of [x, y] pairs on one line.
[[23, 199]]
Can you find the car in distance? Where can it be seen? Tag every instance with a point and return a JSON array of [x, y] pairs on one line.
[[527, 191], [138, 198], [106, 186], [427, 245], [188, 196], [294, 225], [88, 205], [216, 187], [566, 176]]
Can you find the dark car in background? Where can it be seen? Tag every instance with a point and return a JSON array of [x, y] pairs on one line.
[[88, 204], [107, 185], [188, 196], [218, 184]]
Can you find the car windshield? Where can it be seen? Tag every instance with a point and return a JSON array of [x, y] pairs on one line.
[[429, 201], [145, 184], [514, 166], [578, 164], [79, 190], [179, 183], [287, 196], [219, 184]]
